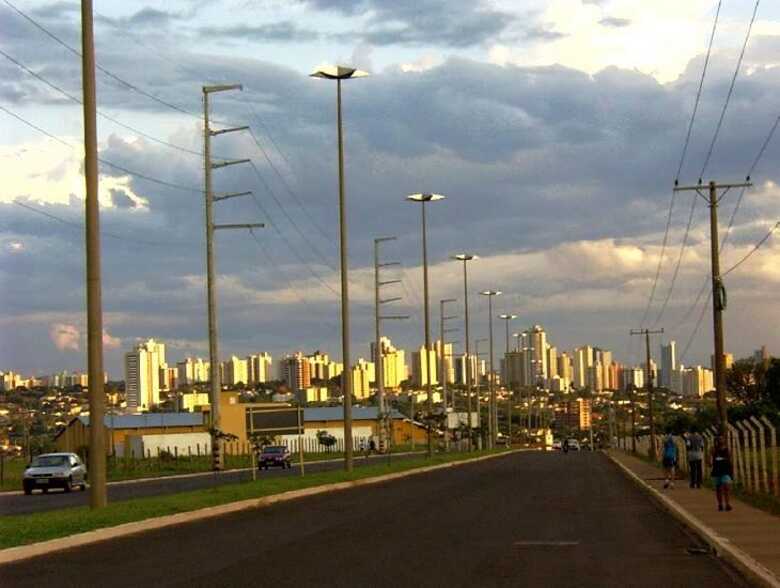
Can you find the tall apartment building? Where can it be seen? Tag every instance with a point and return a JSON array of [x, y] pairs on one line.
[[565, 367], [192, 371], [583, 359], [393, 363], [697, 381], [577, 414], [668, 364], [552, 361], [234, 371], [420, 360], [259, 368], [476, 369], [728, 360], [449, 363], [142, 375], [296, 372], [363, 374]]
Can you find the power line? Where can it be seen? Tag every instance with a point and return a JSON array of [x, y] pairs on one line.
[[730, 92], [80, 225], [101, 160], [756, 247], [697, 327], [102, 69], [680, 166]]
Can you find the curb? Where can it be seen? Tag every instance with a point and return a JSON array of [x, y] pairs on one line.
[[22, 552], [750, 568], [222, 472]]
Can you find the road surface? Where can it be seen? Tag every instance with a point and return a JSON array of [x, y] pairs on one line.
[[16, 503], [528, 519]]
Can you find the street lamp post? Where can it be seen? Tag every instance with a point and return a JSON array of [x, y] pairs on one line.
[[507, 318], [492, 423], [443, 366], [340, 73], [423, 199], [478, 407], [465, 258]]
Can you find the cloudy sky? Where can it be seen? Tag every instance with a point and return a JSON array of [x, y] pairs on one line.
[[554, 128]]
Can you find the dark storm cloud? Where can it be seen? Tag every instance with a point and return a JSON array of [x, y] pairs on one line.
[[529, 157], [452, 23], [282, 31], [614, 22]]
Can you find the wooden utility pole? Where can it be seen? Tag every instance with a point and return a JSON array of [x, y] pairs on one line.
[[97, 400], [649, 386], [718, 290]]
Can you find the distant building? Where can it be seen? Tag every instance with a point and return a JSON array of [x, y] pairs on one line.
[[420, 361], [728, 361], [142, 375], [234, 372], [576, 414], [192, 371], [259, 368], [668, 364], [296, 372], [393, 363], [363, 373]]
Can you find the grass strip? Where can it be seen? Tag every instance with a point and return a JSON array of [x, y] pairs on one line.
[[32, 528]]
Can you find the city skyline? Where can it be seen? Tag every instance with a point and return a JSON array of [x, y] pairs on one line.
[[518, 110]]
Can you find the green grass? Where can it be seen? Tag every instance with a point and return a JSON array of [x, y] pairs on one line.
[[32, 528], [119, 469]]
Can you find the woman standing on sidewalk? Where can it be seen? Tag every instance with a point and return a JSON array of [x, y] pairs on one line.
[[722, 473], [669, 460]]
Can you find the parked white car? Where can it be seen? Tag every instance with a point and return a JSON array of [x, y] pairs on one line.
[[55, 470]]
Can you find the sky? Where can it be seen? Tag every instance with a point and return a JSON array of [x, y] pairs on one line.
[[554, 128]]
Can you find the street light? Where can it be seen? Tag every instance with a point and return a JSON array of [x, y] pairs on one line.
[[507, 319], [465, 258], [492, 424], [423, 199], [339, 73], [443, 366], [479, 381]]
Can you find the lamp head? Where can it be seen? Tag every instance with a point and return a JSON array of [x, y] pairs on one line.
[[491, 292], [465, 257], [338, 72], [425, 197]]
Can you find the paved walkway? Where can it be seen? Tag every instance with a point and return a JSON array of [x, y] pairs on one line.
[[753, 531]]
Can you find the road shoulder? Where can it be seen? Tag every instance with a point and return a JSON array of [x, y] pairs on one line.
[[746, 538]]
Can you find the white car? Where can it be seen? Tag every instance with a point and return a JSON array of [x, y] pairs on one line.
[[557, 446], [54, 470], [573, 445]]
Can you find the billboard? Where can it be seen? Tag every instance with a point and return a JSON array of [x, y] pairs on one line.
[[456, 419], [284, 420]]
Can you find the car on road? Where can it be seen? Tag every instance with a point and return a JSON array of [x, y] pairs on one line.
[[573, 445], [54, 470], [557, 445], [274, 456]]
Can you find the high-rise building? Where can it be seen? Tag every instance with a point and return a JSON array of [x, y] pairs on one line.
[[577, 414], [460, 369], [296, 372], [259, 368], [583, 359], [393, 363], [761, 356], [728, 361], [363, 373], [234, 371], [420, 367], [668, 364], [565, 367], [192, 371], [595, 378], [697, 381], [537, 342], [449, 364], [142, 375], [552, 361]]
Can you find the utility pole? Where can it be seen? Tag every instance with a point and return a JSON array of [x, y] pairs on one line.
[[718, 289], [97, 400], [478, 400], [633, 418], [443, 365], [378, 318], [493, 421], [210, 198], [507, 318], [649, 386]]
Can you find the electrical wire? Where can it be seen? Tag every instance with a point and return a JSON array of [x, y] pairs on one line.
[[101, 160], [697, 327], [683, 155], [730, 92], [100, 68], [756, 247]]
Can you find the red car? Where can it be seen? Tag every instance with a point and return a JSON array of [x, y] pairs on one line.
[[274, 456]]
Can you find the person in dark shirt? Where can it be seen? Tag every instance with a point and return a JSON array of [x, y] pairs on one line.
[[722, 473]]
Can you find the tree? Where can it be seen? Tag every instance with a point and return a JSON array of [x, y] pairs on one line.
[[326, 439], [745, 381]]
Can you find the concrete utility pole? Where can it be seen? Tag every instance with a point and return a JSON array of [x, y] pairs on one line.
[[378, 318], [633, 418], [478, 401], [492, 410], [97, 399], [649, 386], [465, 258], [423, 199], [718, 290], [507, 318], [211, 295], [443, 365]]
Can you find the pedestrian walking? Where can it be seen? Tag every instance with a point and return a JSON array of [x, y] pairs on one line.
[[669, 460], [371, 446], [694, 443], [722, 473]]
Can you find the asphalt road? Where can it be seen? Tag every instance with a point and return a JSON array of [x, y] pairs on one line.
[[529, 519], [11, 504]]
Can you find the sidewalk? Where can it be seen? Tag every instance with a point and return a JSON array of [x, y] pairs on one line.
[[746, 529]]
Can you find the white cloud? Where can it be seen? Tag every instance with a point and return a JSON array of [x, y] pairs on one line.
[[110, 342], [64, 336]]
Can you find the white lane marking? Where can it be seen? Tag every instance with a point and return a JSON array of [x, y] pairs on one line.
[[546, 543]]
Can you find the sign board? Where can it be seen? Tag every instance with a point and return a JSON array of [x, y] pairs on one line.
[[457, 419], [284, 420]]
